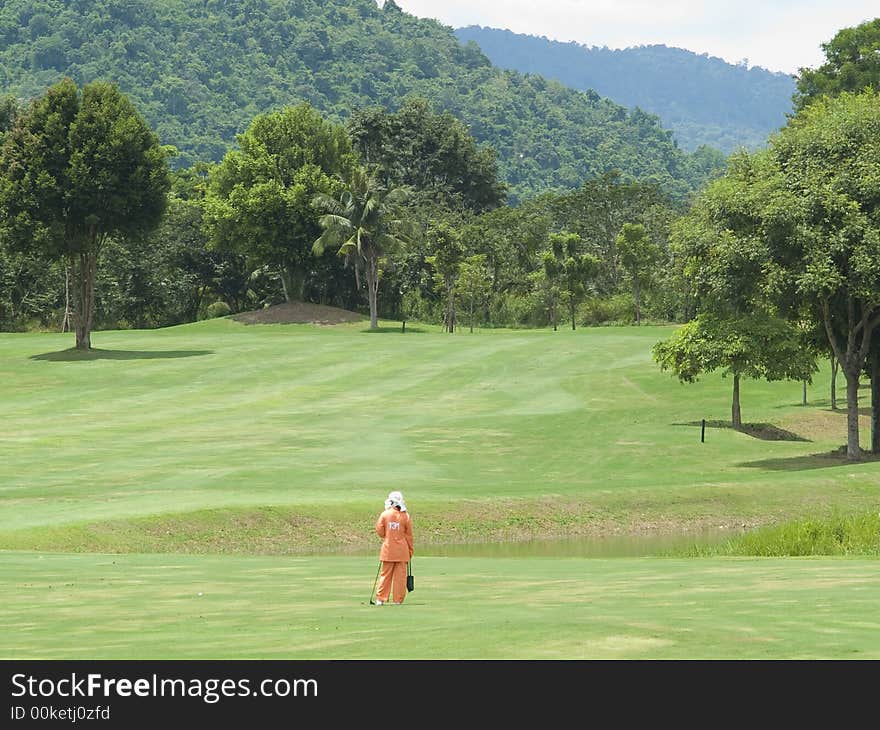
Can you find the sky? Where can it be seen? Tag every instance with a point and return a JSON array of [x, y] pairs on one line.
[[778, 35]]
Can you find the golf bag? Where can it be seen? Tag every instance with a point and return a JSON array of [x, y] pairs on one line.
[[410, 584]]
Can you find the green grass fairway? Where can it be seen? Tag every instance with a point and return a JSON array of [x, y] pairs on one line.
[[249, 463], [276, 607], [184, 439]]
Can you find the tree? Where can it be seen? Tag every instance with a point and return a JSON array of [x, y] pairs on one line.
[[852, 64], [724, 243], [445, 243], [260, 198], [77, 168], [9, 110], [577, 268], [474, 283], [512, 238], [363, 223], [873, 368], [429, 152], [828, 167], [599, 209], [547, 284], [639, 256], [744, 347]]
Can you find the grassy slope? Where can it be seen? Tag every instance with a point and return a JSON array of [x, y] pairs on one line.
[[219, 437], [223, 437]]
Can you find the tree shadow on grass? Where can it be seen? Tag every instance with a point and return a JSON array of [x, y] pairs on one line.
[[824, 404], [763, 431], [74, 355], [824, 460]]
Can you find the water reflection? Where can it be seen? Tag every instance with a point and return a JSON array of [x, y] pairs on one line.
[[585, 547]]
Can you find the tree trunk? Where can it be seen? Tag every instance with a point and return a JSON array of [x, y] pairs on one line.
[[293, 282], [835, 365], [298, 284], [65, 323], [285, 283], [735, 413], [874, 362], [853, 449], [805, 393], [196, 303], [861, 323], [571, 309], [472, 314], [450, 307], [372, 272], [636, 297], [84, 267]]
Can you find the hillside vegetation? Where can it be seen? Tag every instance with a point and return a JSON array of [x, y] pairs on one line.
[[201, 70], [702, 99]]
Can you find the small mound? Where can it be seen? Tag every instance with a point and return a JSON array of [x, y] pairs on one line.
[[299, 313]]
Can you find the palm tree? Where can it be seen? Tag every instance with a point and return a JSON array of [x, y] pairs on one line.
[[364, 222]]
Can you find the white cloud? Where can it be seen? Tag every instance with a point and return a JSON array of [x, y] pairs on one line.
[[781, 35]]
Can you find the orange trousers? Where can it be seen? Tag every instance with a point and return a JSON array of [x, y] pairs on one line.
[[392, 576]]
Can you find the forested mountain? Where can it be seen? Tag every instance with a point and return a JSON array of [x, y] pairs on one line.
[[200, 70], [702, 99]]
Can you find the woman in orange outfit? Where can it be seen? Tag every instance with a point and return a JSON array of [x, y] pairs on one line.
[[394, 526]]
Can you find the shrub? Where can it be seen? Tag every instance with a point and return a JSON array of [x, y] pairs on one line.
[[833, 534], [617, 309], [510, 309], [217, 309]]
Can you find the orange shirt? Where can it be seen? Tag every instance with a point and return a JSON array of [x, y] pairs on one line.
[[395, 529]]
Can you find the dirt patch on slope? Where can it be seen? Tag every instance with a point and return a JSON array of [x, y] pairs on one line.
[[299, 313]]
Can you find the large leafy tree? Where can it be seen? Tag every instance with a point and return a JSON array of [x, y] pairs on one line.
[[564, 275], [852, 64], [474, 284], [78, 168], [577, 271], [547, 286], [447, 253], [598, 210], [743, 347], [365, 224], [828, 165], [639, 257], [260, 198], [432, 153], [725, 241]]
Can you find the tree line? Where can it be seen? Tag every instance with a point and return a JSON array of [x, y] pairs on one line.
[[400, 211]]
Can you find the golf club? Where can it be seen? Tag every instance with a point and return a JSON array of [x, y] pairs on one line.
[[373, 592]]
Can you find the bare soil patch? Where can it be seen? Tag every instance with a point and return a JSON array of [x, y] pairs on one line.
[[299, 313]]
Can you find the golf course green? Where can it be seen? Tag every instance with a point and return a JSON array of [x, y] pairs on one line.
[[209, 491]]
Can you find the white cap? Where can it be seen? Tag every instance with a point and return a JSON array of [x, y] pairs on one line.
[[396, 499]]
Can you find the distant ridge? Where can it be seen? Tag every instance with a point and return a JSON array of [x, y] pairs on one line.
[[702, 99]]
